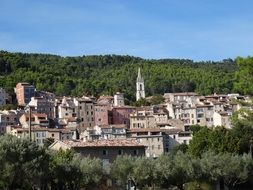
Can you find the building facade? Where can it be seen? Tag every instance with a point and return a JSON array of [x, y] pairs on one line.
[[24, 93]]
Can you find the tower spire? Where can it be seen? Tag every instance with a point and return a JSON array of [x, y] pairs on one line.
[[140, 91], [139, 72]]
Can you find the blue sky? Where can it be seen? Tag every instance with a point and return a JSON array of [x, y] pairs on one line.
[[194, 29]]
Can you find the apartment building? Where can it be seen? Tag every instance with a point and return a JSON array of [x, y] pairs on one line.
[[8, 118], [42, 105], [24, 93]]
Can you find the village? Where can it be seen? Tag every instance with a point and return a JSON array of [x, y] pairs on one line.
[[105, 127]]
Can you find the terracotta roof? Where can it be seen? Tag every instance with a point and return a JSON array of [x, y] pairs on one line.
[[136, 130], [114, 126], [104, 143], [172, 131], [42, 129]]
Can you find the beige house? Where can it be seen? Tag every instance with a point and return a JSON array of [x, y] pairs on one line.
[[142, 119], [81, 108], [7, 118], [222, 119], [152, 138], [177, 97], [40, 134], [148, 117], [175, 137], [37, 119], [106, 150], [205, 115]]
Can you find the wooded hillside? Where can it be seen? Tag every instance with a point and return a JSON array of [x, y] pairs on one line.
[[96, 75]]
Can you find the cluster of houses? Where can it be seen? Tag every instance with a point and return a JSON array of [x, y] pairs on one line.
[[105, 127]]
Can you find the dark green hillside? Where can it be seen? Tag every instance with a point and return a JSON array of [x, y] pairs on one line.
[[110, 73]]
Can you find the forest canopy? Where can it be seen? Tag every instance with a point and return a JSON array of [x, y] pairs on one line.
[[107, 74]]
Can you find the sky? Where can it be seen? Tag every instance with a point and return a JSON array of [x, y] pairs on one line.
[[153, 29]]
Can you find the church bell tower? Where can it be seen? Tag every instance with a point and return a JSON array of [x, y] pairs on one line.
[[140, 91]]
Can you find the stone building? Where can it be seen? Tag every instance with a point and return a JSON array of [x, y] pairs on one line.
[[106, 150]]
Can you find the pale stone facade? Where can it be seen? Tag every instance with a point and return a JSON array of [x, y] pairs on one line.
[[222, 119], [119, 99], [140, 89]]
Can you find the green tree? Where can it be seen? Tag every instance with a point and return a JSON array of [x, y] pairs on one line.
[[122, 169], [141, 102], [244, 75], [143, 172], [24, 165], [226, 168], [92, 172], [200, 142], [157, 99], [65, 170]]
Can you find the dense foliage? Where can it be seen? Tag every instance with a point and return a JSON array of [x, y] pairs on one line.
[[24, 165], [244, 75], [108, 74]]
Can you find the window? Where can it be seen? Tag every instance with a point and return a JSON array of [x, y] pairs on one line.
[[105, 152], [52, 135], [159, 147], [185, 141], [174, 136], [120, 152], [136, 152], [152, 147], [200, 115]]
